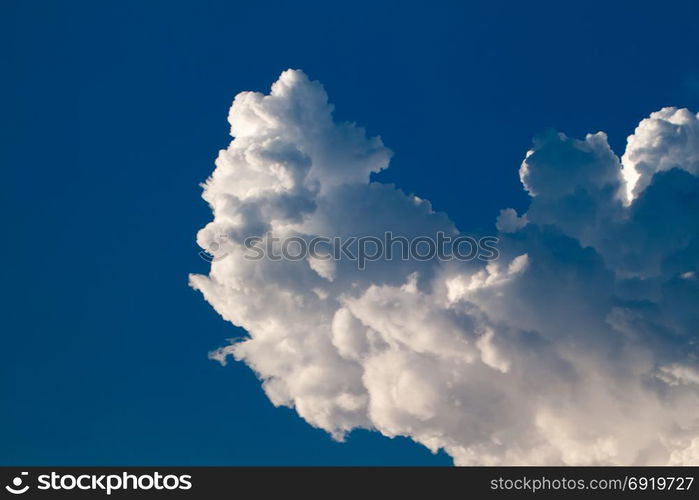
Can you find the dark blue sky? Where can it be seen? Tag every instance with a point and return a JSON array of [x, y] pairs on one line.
[[113, 113]]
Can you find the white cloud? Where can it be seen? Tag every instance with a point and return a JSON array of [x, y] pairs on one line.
[[578, 346], [668, 139]]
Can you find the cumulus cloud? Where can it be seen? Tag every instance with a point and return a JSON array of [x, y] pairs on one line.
[[668, 139], [577, 346]]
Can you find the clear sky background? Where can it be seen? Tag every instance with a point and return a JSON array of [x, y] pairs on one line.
[[113, 114]]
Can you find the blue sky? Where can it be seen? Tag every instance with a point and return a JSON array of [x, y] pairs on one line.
[[113, 116]]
